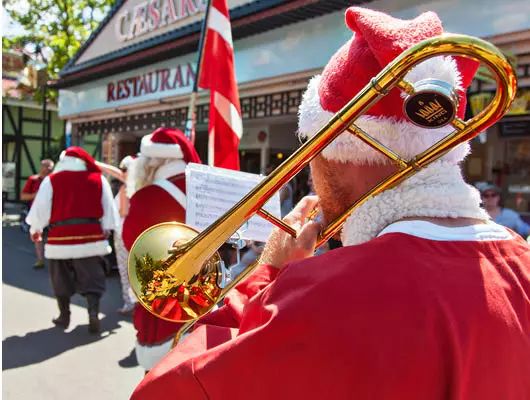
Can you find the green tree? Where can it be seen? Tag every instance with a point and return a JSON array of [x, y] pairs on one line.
[[54, 29]]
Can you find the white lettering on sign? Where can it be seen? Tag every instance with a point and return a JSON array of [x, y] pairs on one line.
[[148, 16], [211, 192]]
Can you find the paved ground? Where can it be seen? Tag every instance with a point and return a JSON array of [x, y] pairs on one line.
[[42, 362]]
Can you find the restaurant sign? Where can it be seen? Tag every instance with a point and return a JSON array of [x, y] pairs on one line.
[[165, 79], [149, 16], [156, 81]]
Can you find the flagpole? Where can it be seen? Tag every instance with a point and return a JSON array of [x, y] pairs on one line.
[[191, 118]]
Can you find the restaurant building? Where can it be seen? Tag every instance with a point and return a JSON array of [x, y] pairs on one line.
[[136, 71]]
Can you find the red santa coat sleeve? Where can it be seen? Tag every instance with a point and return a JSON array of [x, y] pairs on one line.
[[215, 336], [231, 313]]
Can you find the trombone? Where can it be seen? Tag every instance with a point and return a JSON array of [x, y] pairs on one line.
[[176, 272]]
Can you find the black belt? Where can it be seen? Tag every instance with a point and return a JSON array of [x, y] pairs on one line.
[[75, 221]]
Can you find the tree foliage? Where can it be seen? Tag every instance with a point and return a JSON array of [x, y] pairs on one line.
[[54, 28]]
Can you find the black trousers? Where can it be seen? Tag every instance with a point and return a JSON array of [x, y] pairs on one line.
[[78, 275]]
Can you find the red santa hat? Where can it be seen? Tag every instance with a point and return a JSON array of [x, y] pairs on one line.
[[377, 39], [77, 155], [169, 143]]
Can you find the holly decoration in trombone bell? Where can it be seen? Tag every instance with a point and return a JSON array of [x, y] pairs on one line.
[[174, 299]]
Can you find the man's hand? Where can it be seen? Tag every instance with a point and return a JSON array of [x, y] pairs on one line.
[[36, 237], [282, 248]]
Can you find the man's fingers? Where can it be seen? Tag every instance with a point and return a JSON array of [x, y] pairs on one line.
[[309, 234], [306, 205], [282, 248], [302, 209]]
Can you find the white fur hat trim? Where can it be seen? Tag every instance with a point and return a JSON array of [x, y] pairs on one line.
[[404, 138], [149, 148], [69, 163]]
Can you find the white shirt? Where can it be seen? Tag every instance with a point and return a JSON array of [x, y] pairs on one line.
[[431, 231]]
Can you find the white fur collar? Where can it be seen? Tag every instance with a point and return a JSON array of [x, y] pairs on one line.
[[436, 191], [170, 169]]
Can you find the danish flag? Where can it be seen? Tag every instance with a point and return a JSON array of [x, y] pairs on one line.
[[225, 126]]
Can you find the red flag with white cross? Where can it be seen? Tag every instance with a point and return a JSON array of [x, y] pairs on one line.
[[218, 74]]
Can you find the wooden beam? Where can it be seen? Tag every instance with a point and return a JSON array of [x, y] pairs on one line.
[[28, 155], [11, 119], [33, 120], [3, 121], [18, 154], [43, 144], [48, 132]]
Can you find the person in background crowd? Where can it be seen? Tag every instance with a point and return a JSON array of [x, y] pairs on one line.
[[28, 194], [121, 201], [302, 188], [158, 182], [115, 172], [492, 202], [427, 299], [286, 199], [75, 202], [122, 255]]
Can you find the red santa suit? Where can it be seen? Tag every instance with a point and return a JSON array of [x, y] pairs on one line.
[[407, 309], [76, 203], [162, 201], [399, 317]]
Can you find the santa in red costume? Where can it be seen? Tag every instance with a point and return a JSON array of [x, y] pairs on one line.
[[428, 298], [75, 203], [158, 182]]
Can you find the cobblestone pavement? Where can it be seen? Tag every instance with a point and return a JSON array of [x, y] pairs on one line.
[[40, 361]]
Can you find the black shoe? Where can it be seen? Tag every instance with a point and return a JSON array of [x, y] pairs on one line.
[[93, 311], [62, 321], [93, 325]]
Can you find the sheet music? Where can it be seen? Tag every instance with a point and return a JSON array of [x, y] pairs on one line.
[[211, 192]]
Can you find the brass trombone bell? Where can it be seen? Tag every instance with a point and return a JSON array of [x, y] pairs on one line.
[[187, 274], [190, 295]]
